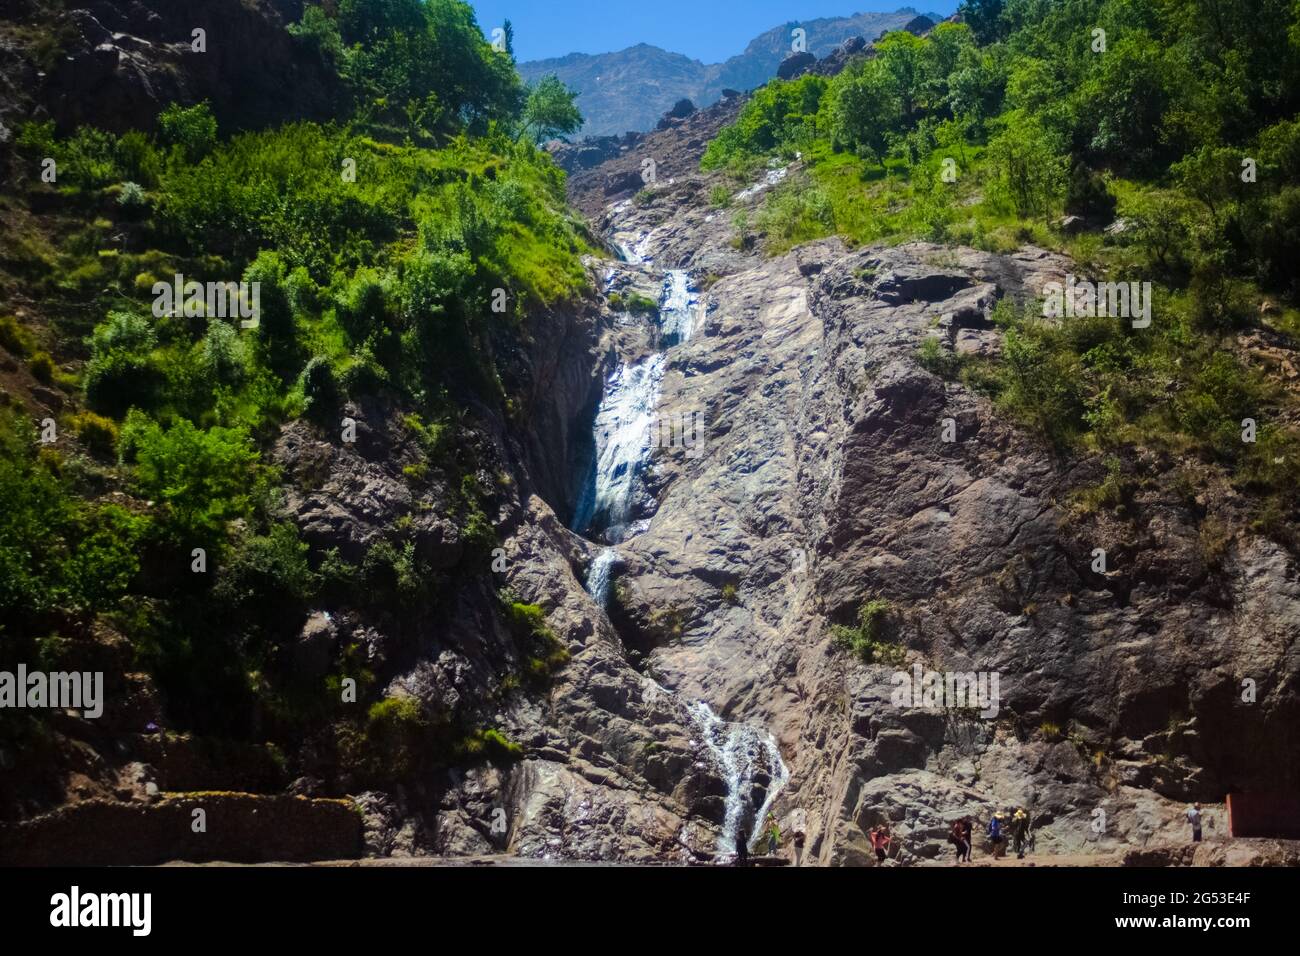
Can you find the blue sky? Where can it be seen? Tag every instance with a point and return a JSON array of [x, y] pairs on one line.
[[708, 30]]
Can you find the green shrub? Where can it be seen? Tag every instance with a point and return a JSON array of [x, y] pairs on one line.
[[870, 638], [319, 387], [394, 574], [633, 302], [222, 354], [362, 308], [263, 576], [56, 551], [96, 432], [398, 739], [42, 368], [192, 129], [934, 358], [491, 744], [15, 338], [122, 372], [795, 214], [1087, 195], [132, 199], [544, 653], [86, 160], [198, 479], [776, 117]]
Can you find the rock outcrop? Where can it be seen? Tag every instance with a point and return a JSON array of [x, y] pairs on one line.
[[837, 469], [117, 63]]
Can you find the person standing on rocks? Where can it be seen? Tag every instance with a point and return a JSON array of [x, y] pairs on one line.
[[957, 837], [996, 836], [880, 840], [799, 824], [742, 847], [1194, 818], [1019, 831], [968, 833], [773, 835]]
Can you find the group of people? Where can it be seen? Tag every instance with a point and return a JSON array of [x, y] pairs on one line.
[[772, 835], [1001, 826]]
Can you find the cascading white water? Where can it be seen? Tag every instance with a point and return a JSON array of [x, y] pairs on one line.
[[625, 421], [742, 753], [677, 310], [745, 758], [624, 437], [773, 177], [598, 576]]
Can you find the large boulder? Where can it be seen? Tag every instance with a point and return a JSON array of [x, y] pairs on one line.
[[796, 64]]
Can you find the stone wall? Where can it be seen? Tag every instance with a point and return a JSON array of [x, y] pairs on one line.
[[240, 828]]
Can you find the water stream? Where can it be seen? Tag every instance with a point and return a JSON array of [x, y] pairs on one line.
[[745, 758], [679, 307], [749, 762], [599, 575], [624, 432]]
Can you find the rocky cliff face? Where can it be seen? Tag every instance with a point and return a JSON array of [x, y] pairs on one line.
[[117, 63], [777, 457], [823, 479]]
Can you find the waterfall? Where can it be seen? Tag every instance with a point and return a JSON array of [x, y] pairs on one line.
[[744, 756], [625, 421], [773, 177], [624, 440], [747, 759], [677, 310], [598, 576]]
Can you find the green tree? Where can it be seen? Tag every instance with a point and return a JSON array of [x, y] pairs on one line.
[[199, 479], [550, 110], [1030, 167], [985, 20], [368, 21], [864, 108], [192, 129], [122, 372], [903, 56], [1125, 96], [427, 57]]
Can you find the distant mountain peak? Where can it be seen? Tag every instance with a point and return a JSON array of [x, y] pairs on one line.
[[631, 88]]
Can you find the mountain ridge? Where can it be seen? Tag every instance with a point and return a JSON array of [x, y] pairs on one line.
[[630, 89]]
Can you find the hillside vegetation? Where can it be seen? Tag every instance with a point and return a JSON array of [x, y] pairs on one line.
[[396, 249], [1153, 142]]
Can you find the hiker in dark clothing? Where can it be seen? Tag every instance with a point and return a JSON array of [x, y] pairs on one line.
[[1019, 831], [968, 832], [957, 837], [742, 848]]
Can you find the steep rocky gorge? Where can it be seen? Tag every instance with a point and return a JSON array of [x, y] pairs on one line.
[[701, 470], [822, 480]]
